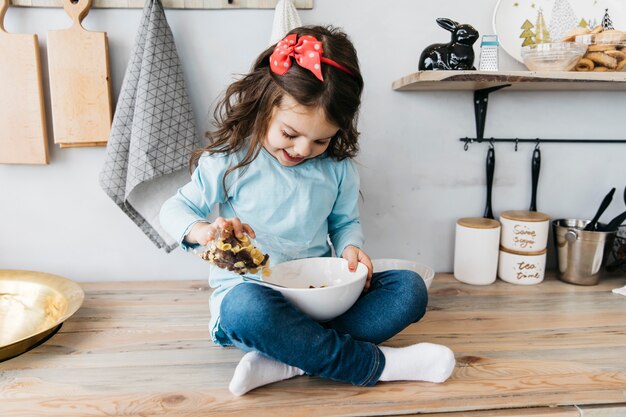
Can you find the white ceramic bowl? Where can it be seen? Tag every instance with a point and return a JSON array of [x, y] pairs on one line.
[[521, 268], [341, 287], [426, 272]]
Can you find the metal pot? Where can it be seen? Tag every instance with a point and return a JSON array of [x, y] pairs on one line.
[[581, 254]]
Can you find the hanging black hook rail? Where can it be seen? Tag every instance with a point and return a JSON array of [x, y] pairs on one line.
[[481, 99], [536, 141]]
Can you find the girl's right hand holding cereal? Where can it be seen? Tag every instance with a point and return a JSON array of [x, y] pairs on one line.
[[203, 232], [230, 247]]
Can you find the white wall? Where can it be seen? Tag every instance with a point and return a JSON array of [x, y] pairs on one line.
[[416, 178]]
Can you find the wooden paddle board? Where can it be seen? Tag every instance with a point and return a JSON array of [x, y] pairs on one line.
[[23, 138], [80, 82]]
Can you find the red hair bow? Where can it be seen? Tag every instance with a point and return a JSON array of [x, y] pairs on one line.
[[306, 50]]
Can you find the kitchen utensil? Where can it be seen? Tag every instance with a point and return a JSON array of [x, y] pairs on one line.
[[613, 224], [33, 305], [476, 245], [261, 281], [581, 254], [491, 165], [605, 203], [489, 53], [23, 138], [80, 82], [535, 167]]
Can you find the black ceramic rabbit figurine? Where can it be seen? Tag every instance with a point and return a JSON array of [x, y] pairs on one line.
[[456, 55]]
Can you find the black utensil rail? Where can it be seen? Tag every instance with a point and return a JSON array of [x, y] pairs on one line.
[[481, 99]]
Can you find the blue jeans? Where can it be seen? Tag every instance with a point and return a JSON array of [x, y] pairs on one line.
[[259, 318]]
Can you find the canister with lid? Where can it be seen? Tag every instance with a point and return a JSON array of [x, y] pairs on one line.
[[476, 250], [524, 231], [522, 268]]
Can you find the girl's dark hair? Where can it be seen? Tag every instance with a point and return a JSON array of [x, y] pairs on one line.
[[246, 109]]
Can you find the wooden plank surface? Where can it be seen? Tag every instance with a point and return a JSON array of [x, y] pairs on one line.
[[143, 348], [172, 4], [519, 80]]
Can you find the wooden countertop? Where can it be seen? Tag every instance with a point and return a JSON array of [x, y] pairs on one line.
[[143, 348]]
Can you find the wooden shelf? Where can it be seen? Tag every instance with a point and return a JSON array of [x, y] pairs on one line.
[[519, 80]]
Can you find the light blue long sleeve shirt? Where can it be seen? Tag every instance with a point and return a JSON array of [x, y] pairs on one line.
[[293, 210]]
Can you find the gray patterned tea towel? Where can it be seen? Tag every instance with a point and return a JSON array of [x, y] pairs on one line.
[[153, 131]]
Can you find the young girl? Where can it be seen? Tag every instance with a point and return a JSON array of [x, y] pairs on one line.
[[279, 169]]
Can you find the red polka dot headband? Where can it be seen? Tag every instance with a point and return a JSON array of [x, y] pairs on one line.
[[307, 51]]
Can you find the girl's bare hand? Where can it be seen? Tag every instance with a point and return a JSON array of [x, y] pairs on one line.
[[203, 232], [353, 255]]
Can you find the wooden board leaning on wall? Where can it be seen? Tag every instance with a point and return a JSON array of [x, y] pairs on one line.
[[171, 4]]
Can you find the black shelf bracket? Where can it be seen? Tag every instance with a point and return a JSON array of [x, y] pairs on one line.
[[481, 99]]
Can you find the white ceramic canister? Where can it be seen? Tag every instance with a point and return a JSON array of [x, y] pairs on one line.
[[522, 268], [524, 231], [476, 250]]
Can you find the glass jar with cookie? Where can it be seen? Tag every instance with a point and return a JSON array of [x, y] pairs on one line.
[[606, 49]]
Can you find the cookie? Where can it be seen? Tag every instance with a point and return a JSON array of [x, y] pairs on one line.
[[585, 65], [597, 29], [571, 35], [602, 59], [600, 47], [612, 37], [619, 55]]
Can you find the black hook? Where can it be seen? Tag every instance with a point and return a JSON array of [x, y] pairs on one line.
[[516, 142], [466, 146], [537, 145], [492, 143]]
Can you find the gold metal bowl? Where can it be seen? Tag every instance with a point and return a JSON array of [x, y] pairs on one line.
[[33, 305]]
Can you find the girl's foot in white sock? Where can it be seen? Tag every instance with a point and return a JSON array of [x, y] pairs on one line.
[[255, 370], [420, 362]]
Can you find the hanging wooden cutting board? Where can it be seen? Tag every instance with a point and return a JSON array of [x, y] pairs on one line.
[[23, 138], [80, 83]]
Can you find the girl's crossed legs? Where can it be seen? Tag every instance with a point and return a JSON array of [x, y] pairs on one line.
[[259, 319]]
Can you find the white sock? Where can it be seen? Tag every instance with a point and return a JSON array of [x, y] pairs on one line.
[[420, 362], [255, 370]]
